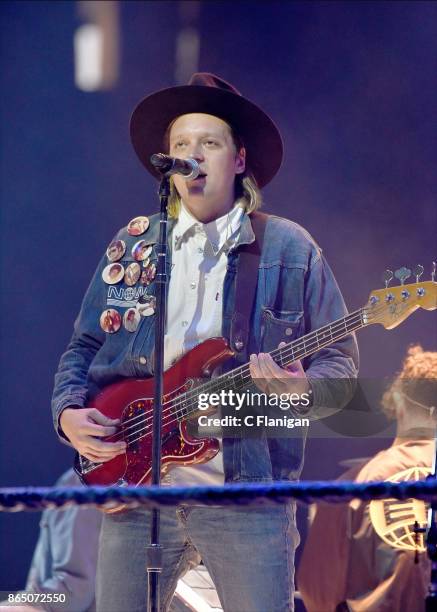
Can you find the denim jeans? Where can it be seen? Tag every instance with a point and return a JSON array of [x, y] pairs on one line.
[[249, 553]]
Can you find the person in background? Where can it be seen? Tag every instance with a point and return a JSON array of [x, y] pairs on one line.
[[65, 557], [345, 564]]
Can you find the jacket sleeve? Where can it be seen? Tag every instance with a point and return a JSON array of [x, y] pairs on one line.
[[70, 546], [331, 371], [70, 387]]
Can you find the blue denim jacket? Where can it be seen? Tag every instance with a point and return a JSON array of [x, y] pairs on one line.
[[296, 292]]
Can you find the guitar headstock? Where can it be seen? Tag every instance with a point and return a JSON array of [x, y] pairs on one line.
[[392, 305]]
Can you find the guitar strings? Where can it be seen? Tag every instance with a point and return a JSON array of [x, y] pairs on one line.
[[240, 372], [306, 343], [165, 420], [169, 413], [285, 352]]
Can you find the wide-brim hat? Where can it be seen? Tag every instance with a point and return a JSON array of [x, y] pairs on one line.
[[207, 93]]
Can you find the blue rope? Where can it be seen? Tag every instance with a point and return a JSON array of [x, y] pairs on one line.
[[39, 498]]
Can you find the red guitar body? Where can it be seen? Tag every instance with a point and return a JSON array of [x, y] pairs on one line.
[[131, 401]]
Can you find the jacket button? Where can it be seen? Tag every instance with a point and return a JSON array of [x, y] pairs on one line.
[[143, 360], [288, 331]]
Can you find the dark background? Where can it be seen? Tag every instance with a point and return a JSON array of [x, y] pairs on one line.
[[351, 86]]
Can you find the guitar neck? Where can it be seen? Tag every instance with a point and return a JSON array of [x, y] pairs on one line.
[[316, 340], [239, 378]]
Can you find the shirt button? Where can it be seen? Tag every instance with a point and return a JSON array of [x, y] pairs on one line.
[[200, 250], [143, 360], [193, 285], [184, 323]]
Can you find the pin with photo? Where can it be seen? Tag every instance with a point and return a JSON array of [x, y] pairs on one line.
[[110, 321], [131, 319], [137, 226], [132, 274], [113, 273], [141, 251], [146, 305], [148, 274], [116, 250]]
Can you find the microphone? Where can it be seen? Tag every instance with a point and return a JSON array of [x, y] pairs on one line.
[[167, 165]]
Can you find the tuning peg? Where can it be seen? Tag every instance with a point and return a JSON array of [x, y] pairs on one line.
[[418, 271], [387, 277], [434, 266], [402, 274]]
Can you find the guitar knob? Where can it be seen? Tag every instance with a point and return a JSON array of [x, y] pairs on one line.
[[420, 292], [389, 297], [405, 294]]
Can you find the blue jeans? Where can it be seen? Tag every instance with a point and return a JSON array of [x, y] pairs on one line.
[[249, 553]]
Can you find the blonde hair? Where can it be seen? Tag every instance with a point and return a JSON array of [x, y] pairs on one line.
[[414, 381], [247, 192]]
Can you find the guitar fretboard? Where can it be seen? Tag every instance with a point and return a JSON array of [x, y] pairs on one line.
[[186, 404]]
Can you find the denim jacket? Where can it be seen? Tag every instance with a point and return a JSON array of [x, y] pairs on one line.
[[296, 293]]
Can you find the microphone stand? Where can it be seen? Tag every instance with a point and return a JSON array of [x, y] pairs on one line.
[[154, 549]]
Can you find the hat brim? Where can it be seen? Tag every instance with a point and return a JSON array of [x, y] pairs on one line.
[[260, 136]]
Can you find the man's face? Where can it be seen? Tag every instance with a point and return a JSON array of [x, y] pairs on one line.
[[208, 140]]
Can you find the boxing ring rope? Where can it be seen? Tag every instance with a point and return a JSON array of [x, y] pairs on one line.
[[17, 499]]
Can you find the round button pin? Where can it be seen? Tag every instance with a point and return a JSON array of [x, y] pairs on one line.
[[141, 251], [146, 305], [131, 319], [138, 225], [132, 274], [148, 274], [110, 321], [116, 250], [113, 273]]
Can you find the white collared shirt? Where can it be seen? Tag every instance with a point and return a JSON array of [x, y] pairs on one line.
[[194, 309], [195, 304]]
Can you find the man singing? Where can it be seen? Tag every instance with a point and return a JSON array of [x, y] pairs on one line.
[[249, 551]]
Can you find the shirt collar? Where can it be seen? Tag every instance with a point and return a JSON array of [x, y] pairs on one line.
[[218, 232]]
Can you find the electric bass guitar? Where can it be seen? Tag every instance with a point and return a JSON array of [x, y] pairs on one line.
[[131, 400]]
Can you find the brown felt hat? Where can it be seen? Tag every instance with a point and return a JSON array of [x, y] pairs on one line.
[[207, 93]]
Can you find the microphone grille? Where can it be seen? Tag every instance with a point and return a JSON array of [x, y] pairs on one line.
[[158, 160]]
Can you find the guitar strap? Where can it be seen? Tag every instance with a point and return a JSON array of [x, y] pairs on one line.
[[246, 281]]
